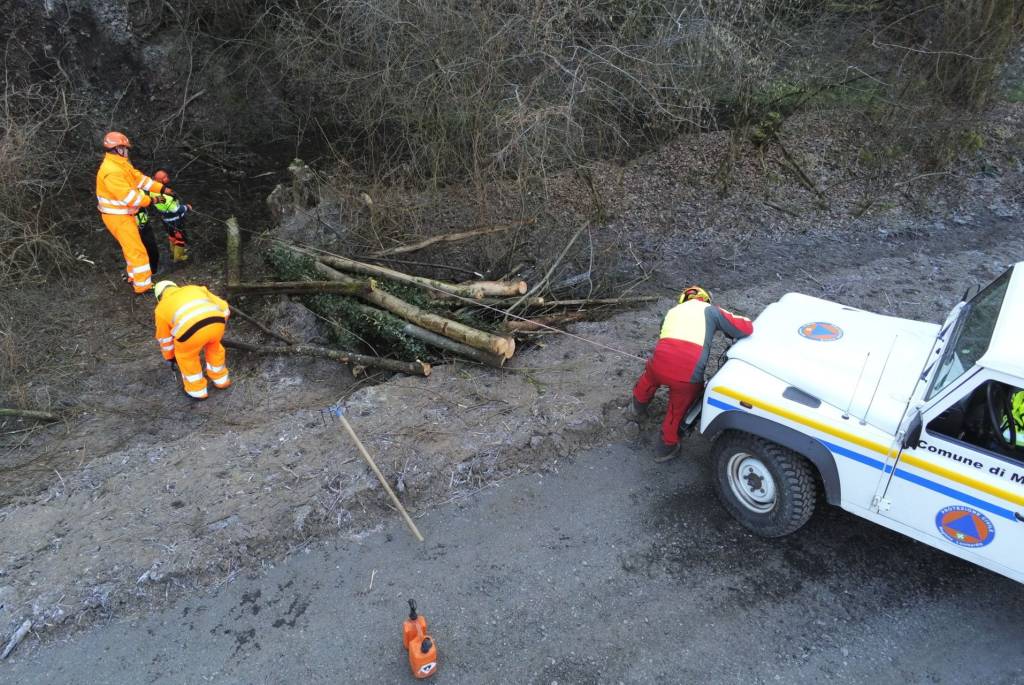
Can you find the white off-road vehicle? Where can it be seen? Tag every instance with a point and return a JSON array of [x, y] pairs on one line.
[[901, 422]]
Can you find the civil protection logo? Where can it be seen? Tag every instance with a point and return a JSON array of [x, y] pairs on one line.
[[821, 331], [965, 526]]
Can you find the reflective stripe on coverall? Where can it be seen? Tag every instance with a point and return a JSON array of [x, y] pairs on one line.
[[120, 193], [680, 357], [190, 319]]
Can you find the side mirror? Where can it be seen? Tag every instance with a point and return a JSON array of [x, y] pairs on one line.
[[913, 434]]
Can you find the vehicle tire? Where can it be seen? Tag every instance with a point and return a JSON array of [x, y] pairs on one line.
[[769, 489]]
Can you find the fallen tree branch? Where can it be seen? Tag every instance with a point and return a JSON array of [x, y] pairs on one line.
[[29, 414], [295, 288], [801, 174], [411, 368], [495, 344], [18, 636], [452, 237], [481, 340], [429, 265], [441, 342], [538, 323], [475, 290], [266, 329], [636, 299], [558, 260]]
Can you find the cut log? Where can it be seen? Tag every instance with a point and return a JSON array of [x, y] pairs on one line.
[[29, 414], [295, 288], [496, 288], [496, 344], [411, 368], [452, 237], [441, 342], [474, 291], [234, 252]]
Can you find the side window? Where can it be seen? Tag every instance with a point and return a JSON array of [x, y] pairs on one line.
[[991, 417]]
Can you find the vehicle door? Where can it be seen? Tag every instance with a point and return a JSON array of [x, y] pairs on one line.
[[960, 484]]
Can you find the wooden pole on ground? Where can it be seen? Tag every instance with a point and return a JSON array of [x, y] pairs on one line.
[[380, 477], [29, 414]]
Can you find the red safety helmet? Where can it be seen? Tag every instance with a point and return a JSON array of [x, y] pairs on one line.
[[694, 292], [161, 177], [115, 139]]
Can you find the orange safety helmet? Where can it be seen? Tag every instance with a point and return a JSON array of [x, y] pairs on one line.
[[694, 292], [161, 177], [115, 139]]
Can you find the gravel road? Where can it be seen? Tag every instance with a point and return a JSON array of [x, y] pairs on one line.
[[607, 569]]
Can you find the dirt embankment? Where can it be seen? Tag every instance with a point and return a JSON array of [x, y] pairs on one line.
[[142, 494]]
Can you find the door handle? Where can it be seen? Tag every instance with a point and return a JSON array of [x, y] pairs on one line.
[[1019, 516]]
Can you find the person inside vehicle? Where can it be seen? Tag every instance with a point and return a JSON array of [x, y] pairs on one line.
[[991, 418]]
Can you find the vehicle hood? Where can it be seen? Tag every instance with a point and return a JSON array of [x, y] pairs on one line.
[[863, 363]]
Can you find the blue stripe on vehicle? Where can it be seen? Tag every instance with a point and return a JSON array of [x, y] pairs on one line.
[[918, 480], [956, 494], [850, 454], [719, 404], [900, 473]]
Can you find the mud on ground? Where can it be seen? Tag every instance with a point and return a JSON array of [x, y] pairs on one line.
[[142, 494]]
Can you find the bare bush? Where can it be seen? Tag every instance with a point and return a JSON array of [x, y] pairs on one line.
[[444, 89], [34, 120], [447, 89]]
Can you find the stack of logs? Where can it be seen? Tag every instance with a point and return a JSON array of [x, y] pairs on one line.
[[359, 280]]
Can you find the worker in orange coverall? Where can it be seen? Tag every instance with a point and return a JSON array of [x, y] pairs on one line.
[[679, 360], [189, 320], [121, 191]]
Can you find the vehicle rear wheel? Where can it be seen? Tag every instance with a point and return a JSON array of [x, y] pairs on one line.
[[769, 489]]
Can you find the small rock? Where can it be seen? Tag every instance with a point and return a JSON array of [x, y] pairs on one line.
[[222, 523], [1002, 210], [300, 515]]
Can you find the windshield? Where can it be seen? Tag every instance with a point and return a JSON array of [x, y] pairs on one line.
[[972, 334]]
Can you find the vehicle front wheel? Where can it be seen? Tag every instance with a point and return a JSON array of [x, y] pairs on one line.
[[769, 489]]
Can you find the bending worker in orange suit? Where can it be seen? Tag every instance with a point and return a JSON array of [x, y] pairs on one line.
[[190, 319], [121, 191], [680, 357]]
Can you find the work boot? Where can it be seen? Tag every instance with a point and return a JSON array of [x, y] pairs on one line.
[[663, 452], [637, 408]]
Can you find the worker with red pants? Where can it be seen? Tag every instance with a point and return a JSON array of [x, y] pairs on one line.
[[121, 191], [189, 320], [679, 360]]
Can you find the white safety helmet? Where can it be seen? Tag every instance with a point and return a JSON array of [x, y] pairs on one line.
[[161, 286]]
